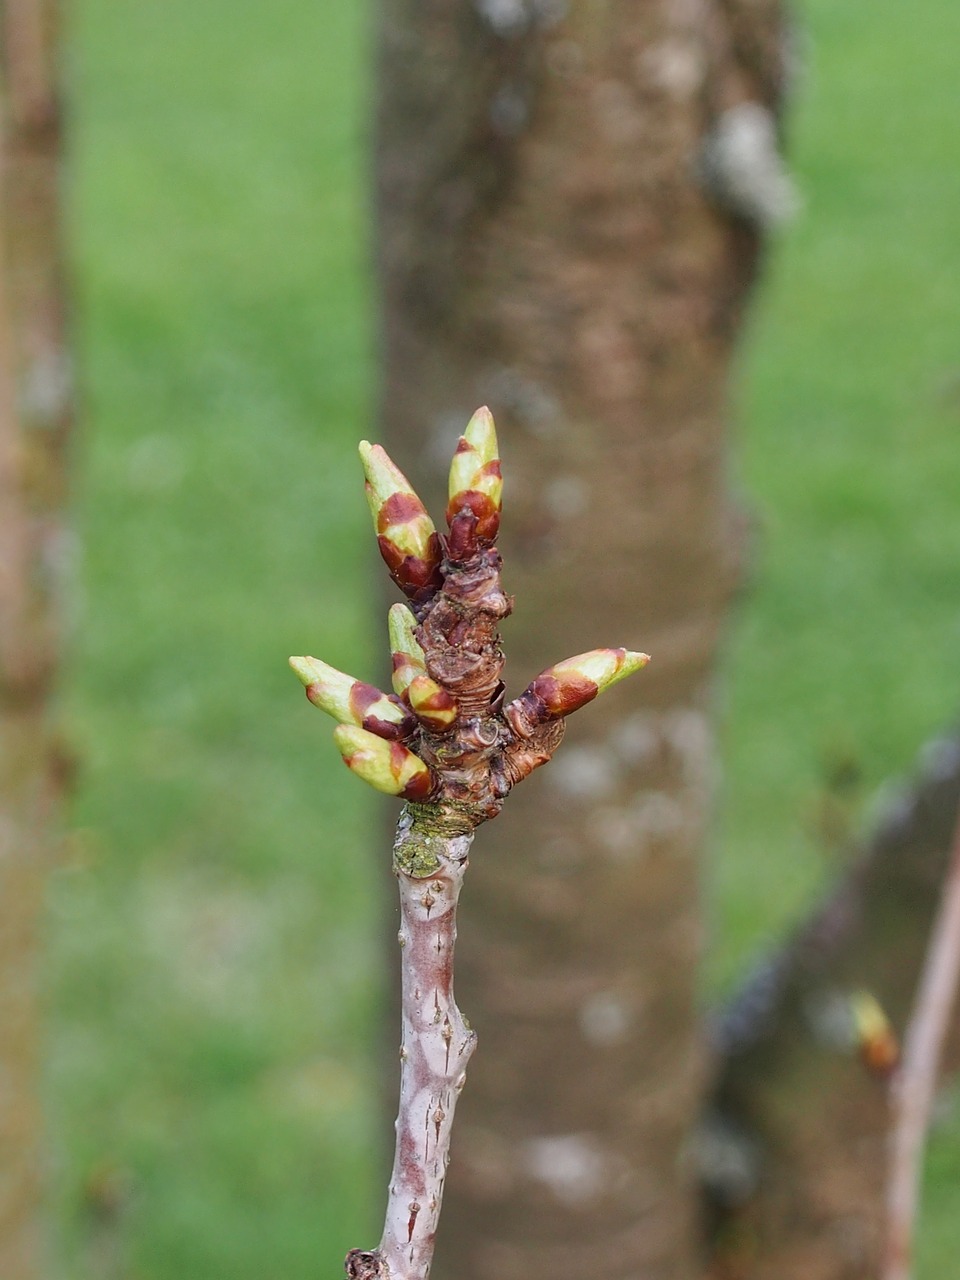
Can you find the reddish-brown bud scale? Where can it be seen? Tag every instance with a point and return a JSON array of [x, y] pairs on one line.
[[549, 698], [486, 513], [880, 1054], [352, 701], [399, 508], [462, 543], [561, 695], [433, 706], [363, 696], [465, 751], [569, 685], [475, 489], [419, 786], [412, 574]]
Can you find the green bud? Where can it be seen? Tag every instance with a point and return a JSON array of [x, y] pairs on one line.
[[387, 766], [476, 484], [352, 701], [406, 653], [406, 535]]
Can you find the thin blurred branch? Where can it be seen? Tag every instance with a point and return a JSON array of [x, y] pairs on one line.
[[916, 1082], [782, 1192]]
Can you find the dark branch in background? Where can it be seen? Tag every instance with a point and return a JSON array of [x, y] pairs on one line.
[[445, 743], [916, 1082], [795, 1147], [35, 424]]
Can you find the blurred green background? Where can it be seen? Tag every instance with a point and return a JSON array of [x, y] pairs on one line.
[[215, 968]]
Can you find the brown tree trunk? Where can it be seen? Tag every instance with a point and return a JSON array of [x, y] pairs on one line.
[[34, 421], [800, 1130], [547, 247]]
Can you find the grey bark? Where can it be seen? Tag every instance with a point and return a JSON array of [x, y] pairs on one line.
[[799, 1132]]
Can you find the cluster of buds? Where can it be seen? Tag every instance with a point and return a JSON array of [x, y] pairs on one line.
[[444, 735]]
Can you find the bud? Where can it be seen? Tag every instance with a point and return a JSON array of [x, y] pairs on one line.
[[406, 535], [875, 1038], [407, 656], [571, 684], [476, 485], [432, 704], [387, 766], [352, 701]]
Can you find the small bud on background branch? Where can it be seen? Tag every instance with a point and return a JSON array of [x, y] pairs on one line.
[[875, 1038], [446, 745]]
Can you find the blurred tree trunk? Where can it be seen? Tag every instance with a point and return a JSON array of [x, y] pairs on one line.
[[34, 422], [800, 1129], [547, 247]]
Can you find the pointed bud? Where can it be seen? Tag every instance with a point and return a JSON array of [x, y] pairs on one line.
[[405, 533], [406, 654], [476, 485], [387, 766], [432, 704], [571, 684], [875, 1038], [352, 701]]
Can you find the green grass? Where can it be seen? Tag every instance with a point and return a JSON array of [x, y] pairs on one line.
[[217, 987], [216, 978]]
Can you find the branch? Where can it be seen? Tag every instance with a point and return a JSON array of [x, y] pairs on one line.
[[434, 1051], [915, 1083], [796, 1143], [445, 743]]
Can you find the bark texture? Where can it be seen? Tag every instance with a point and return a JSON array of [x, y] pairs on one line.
[[435, 1048], [34, 423], [547, 246], [798, 1143]]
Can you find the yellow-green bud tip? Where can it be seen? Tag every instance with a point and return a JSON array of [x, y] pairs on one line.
[[604, 667], [304, 668], [402, 629], [405, 651], [481, 434], [433, 705]]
